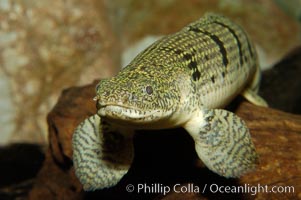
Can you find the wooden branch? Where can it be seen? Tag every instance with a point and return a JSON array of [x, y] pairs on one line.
[[167, 157]]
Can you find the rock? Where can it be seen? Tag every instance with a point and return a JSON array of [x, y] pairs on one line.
[[56, 179], [167, 157], [46, 46]]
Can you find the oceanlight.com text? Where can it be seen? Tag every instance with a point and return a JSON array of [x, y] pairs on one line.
[[158, 188]]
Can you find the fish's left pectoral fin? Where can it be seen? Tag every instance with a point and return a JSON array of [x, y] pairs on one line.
[[223, 142], [254, 98]]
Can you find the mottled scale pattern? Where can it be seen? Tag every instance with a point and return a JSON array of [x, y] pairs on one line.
[[212, 50]]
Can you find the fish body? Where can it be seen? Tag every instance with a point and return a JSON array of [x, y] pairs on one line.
[[182, 80]]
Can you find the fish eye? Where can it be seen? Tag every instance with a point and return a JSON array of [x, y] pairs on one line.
[[149, 89]]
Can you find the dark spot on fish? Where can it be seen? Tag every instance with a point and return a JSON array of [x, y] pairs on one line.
[[187, 56], [196, 75], [223, 74], [206, 57], [178, 51], [192, 65], [194, 29], [213, 79], [142, 68]]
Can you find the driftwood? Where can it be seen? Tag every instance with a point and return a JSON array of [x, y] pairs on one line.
[[167, 157]]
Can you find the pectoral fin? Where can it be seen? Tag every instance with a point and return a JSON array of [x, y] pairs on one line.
[[223, 142], [251, 91], [101, 154], [254, 98]]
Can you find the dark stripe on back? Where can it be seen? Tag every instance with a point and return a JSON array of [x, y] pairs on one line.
[[250, 49], [192, 65], [248, 43], [217, 41], [236, 38]]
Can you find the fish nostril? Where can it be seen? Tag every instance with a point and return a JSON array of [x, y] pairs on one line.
[[132, 97]]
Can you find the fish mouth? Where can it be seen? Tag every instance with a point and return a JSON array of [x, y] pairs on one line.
[[127, 113]]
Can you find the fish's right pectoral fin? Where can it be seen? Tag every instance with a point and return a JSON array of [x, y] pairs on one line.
[[102, 155]]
